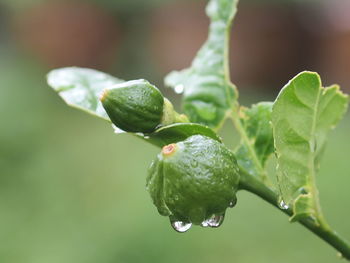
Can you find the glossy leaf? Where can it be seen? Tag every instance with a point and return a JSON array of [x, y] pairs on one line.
[[178, 132], [252, 156], [81, 88], [208, 92], [302, 116]]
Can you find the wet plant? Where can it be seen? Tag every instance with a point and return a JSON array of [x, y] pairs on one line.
[[195, 177]]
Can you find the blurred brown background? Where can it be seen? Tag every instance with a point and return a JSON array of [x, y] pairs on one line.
[[73, 191], [271, 40]]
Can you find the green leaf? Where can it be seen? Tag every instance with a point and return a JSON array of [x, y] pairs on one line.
[[81, 88], [302, 116], [303, 207], [178, 132], [208, 91], [253, 153]]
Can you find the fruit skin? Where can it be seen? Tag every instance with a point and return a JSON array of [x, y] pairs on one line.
[[134, 106], [193, 179]]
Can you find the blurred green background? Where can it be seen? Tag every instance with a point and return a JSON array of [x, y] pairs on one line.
[[72, 191]]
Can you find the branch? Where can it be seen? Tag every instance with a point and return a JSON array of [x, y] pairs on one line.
[[323, 231]]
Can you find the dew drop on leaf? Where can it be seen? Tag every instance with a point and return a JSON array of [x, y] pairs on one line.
[[303, 191]]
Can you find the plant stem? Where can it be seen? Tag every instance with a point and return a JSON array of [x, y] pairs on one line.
[[323, 231]]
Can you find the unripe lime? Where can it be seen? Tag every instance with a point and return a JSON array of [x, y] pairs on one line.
[[194, 181]]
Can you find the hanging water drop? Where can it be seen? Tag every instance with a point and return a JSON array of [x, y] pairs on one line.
[[179, 88], [205, 223], [232, 203], [283, 205], [180, 226], [303, 191], [214, 221], [117, 130]]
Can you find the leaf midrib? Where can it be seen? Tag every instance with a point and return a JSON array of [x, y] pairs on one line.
[[311, 161]]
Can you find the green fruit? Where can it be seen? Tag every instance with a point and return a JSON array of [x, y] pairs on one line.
[[194, 181], [134, 106], [138, 106]]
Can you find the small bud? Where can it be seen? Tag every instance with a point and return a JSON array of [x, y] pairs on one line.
[[138, 106], [134, 106]]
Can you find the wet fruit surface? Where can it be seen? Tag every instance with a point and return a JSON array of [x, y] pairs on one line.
[[134, 106], [193, 182]]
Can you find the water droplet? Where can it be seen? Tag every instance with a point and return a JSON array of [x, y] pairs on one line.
[[303, 191], [194, 163], [283, 205], [179, 88], [232, 203], [158, 126], [140, 134], [180, 226], [214, 221], [117, 130]]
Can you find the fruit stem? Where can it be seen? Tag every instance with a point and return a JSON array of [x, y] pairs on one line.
[[255, 186], [170, 116]]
